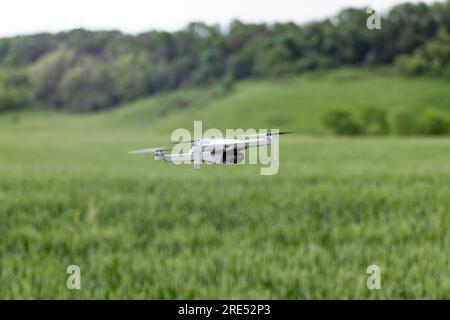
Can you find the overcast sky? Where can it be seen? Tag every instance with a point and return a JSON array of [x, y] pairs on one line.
[[133, 16]]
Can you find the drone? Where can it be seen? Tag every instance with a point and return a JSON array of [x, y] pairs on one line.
[[214, 150]]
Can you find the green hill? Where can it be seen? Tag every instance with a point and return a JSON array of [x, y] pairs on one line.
[[296, 103]]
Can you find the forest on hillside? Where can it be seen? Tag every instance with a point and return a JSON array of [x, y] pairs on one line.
[[83, 71]]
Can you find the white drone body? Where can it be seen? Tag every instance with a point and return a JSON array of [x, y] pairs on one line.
[[213, 151]]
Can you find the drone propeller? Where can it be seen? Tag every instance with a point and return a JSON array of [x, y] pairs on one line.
[[182, 141], [193, 141], [248, 135], [279, 133], [268, 134], [145, 151]]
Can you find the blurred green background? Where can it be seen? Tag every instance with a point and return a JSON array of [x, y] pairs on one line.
[[364, 181]]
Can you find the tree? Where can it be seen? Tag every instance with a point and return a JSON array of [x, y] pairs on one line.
[[342, 122], [131, 76], [15, 91], [47, 73], [86, 87], [433, 122], [352, 44], [401, 121], [432, 58]]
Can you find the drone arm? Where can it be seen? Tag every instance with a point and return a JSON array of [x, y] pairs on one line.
[[181, 157]]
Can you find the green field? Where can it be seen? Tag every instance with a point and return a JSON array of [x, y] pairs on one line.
[[70, 194]]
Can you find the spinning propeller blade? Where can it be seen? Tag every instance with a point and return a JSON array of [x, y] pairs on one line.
[[268, 134], [145, 151], [183, 141]]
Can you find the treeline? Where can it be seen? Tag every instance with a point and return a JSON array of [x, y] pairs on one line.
[[83, 71], [396, 121]]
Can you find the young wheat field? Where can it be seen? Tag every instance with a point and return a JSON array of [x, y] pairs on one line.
[[141, 229]]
